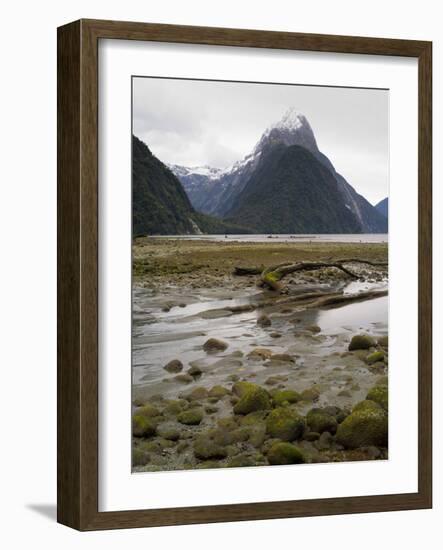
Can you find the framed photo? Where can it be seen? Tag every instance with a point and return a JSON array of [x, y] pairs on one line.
[[244, 275]]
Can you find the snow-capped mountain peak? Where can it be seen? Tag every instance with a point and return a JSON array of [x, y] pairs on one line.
[[292, 129], [291, 120]]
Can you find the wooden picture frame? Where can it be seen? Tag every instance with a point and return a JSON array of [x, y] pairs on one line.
[[78, 274]]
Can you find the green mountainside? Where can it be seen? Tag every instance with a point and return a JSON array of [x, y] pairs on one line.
[[160, 205], [293, 192]]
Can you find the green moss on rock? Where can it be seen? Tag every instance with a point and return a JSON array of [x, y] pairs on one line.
[[383, 341], [254, 399], [375, 357], [139, 457], [310, 394], [174, 407], [149, 411], [169, 431], [241, 461], [254, 419], [285, 423], [379, 394], [366, 405], [205, 448], [285, 453], [361, 341], [142, 426], [240, 388], [281, 396], [320, 421], [362, 428], [196, 394], [192, 417], [218, 391]]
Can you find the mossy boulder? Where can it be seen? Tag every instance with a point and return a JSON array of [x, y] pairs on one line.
[[320, 421], [311, 436], [310, 394], [366, 405], [363, 428], [139, 457], [254, 399], [285, 424], [169, 431], [336, 412], [174, 366], [205, 448], [214, 345], [379, 394], [218, 392], [285, 396], [383, 341], [285, 453], [191, 417], [224, 437], [241, 461], [361, 341], [152, 446], [374, 357], [149, 411], [174, 406], [256, 435], [197, 394], [227, 422], [254, 419], [142, 426], [240, 388]]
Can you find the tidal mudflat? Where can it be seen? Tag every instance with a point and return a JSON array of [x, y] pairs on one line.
[[228, 372]]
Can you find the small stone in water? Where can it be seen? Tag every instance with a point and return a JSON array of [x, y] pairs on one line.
[[174, 366], [213, 344]]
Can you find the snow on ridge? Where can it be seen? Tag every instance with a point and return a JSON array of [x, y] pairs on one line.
[[291, 121], [208, 171], [240, 164]]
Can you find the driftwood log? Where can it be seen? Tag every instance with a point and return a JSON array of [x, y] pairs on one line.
[[272, 276]]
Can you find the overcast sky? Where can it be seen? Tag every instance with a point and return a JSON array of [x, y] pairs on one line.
[[194, 123]]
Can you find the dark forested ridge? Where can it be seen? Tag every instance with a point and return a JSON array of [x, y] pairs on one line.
[[383, 207], [292, 192], [160, 205]]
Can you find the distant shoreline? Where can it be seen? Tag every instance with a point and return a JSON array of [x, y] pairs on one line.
[[262, 238]]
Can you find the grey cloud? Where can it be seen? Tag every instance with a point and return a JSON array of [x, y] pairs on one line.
[[193, 122]]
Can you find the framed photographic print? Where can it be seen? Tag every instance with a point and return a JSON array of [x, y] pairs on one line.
[[244, 275]]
